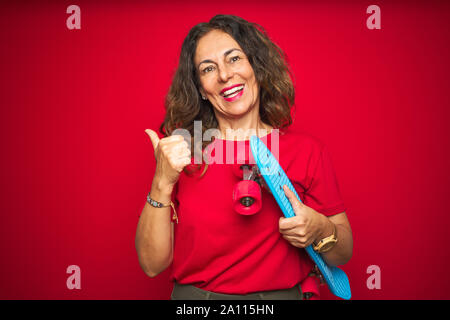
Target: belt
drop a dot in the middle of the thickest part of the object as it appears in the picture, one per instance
(190, 292)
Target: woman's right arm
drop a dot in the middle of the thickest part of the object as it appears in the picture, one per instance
(154, 234)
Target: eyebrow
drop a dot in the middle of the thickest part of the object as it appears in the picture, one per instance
(225, 54)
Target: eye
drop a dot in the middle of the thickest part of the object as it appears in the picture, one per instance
(208, 69)
(234, 59)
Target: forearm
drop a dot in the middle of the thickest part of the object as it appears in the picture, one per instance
(342, 251)
(154, 234)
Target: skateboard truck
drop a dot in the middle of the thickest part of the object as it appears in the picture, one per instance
(247, 193)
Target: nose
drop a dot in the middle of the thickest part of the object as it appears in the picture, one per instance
(225, 73)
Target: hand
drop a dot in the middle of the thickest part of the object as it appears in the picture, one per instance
(172, 155)
(306, 227)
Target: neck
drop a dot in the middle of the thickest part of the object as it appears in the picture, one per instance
(242, 129)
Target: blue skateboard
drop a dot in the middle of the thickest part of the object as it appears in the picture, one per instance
(275, 178)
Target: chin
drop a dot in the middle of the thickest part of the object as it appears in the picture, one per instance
(238, 111)
(244, 105)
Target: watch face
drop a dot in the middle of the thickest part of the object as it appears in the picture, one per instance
(328, 245)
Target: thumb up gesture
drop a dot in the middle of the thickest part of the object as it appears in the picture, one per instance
(172, 155)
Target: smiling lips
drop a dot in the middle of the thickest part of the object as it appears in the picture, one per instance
(232, 93)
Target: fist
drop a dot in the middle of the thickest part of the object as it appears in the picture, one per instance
(172, 155)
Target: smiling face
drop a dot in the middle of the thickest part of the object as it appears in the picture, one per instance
(226, 77)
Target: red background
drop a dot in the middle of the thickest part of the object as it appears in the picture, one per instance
(76, 164)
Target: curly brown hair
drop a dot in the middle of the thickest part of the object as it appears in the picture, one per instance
(183, 102)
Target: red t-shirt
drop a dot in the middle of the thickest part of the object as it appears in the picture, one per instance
(219, 250)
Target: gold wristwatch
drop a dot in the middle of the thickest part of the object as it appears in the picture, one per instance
(326, 244)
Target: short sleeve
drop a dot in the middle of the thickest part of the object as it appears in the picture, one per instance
(323, 194)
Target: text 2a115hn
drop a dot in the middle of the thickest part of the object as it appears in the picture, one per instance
(264, 309)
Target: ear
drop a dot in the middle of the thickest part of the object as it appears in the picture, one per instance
(202, 93)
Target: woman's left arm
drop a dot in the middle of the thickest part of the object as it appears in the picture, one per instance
(309, 226)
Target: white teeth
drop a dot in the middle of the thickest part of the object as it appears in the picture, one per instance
(233, 95)
(233, 90)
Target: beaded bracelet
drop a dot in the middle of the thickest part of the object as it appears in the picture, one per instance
(157, 204)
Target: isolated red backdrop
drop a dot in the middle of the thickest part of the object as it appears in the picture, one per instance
(76, 164)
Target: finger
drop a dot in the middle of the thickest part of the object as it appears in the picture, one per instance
(301, 241)
(175, 145)
(295, 232)
(177, 154)
(309, 242)
(153, 137)
(285, 224)
(186, 161)
(174, 138)
(178, 159)
(180, 147)
(181, 153)
(181, 163)
(289, 194)
(292, 197)
(294, 241)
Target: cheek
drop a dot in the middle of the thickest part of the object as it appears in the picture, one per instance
(254, 86)
(250, 76)
(207, 85)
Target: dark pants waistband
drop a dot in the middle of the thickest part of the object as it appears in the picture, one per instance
(190, 292)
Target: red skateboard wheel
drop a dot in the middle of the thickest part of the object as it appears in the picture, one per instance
(247, 197)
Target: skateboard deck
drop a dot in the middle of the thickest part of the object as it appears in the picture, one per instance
(275, 178)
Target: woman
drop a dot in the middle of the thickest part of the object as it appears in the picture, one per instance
(231, 76)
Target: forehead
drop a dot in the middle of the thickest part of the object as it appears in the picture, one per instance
(213, 44)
